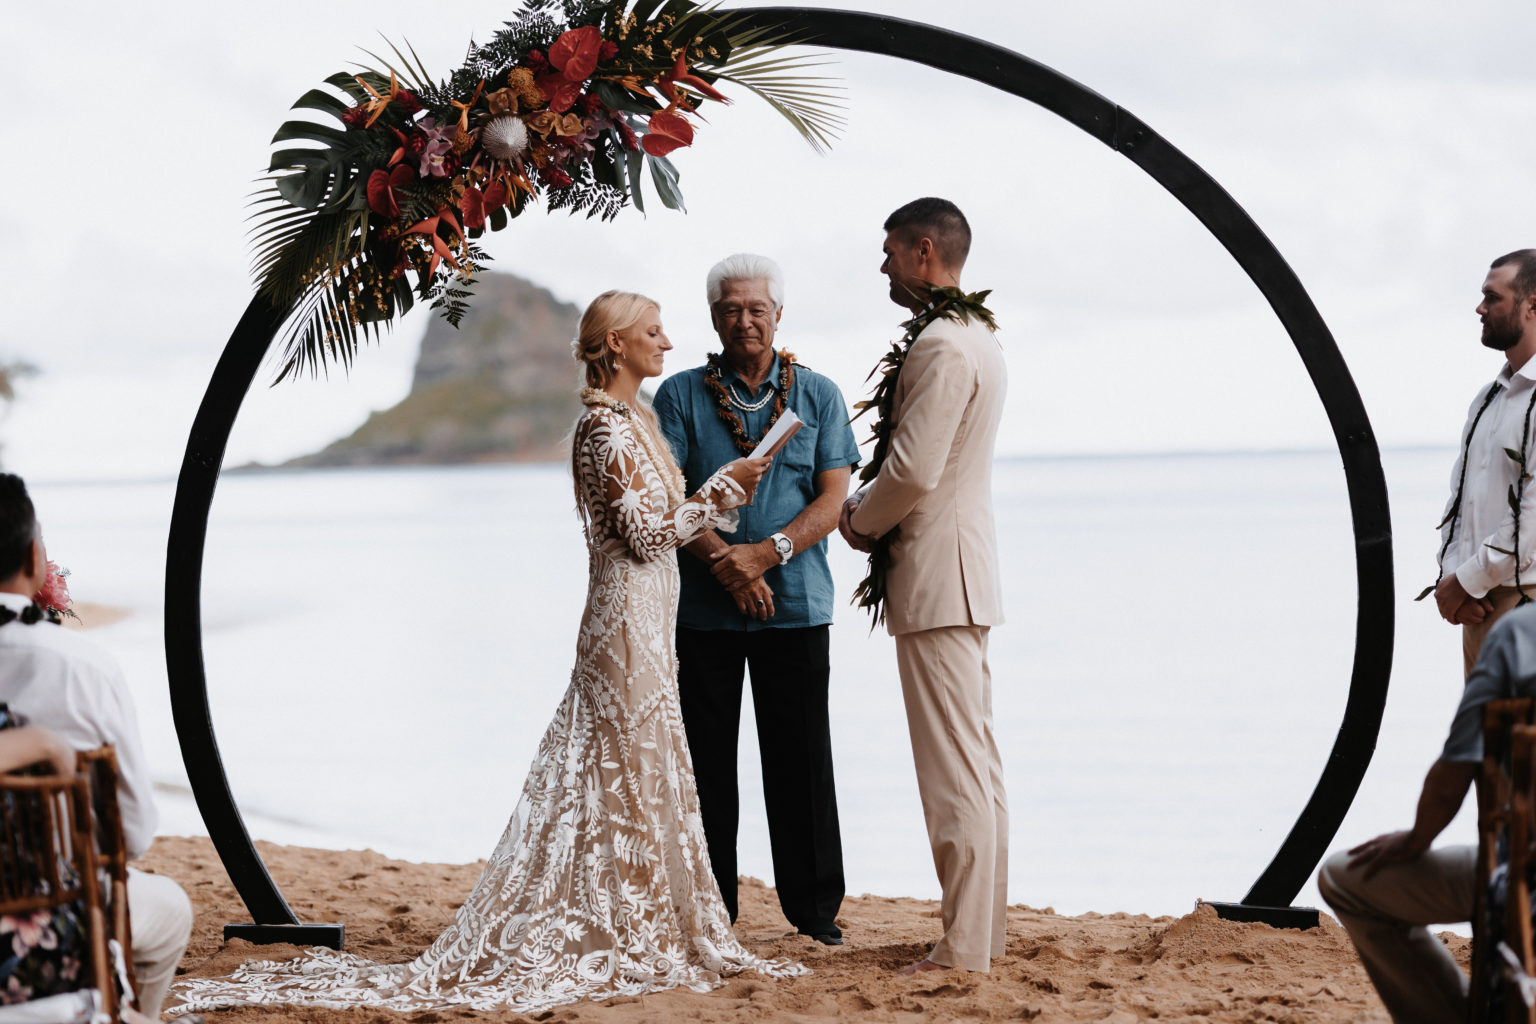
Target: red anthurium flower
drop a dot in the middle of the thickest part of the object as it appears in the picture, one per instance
(668, 131)
(562, 92)
(472, 206)
(381, 189)
(477, 205)
(575, 53)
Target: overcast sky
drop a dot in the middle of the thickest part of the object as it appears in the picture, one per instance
(1383, 146)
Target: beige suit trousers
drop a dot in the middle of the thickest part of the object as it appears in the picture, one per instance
(1472, 636)
(161, 919)
(948, 692)
(1386, 915)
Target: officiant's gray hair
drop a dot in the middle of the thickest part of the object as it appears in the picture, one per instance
(745, 266)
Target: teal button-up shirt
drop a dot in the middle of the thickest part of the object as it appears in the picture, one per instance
(690, 420)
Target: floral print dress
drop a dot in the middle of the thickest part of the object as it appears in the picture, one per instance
(601, 884)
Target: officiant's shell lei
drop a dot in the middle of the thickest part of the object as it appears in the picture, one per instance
(601, 884)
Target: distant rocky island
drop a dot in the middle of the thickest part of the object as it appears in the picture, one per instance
(499, 388)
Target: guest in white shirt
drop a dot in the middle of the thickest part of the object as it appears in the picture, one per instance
(1490, 505)
(61, 681)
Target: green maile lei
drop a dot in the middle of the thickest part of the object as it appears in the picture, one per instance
(1516, 491)
(944, 302)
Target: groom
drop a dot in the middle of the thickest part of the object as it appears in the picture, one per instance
(942, 595)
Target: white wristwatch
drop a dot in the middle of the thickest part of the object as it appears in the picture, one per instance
(784, 547)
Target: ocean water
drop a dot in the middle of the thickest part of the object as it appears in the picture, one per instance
(384, 648)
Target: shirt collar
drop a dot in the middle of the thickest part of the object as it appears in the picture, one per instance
(1526, 373)
(728, 372)
(14, 601)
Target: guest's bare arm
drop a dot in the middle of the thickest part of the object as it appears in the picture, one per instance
(1445, 787)
(32, 744)
(739, 564)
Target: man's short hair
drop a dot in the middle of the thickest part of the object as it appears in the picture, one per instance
(745, 266)
(940, 221)
(18, 524)
(1525, 270)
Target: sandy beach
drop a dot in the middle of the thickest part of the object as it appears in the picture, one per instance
(1118, 968)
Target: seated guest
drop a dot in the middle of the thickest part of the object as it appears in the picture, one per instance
(64, 683)
(1387, 890)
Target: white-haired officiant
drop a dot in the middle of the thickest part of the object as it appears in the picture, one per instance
(759, 601)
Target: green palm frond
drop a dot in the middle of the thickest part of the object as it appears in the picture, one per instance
(812, 103)
(409, 71)
(808, 102)
(752, 58)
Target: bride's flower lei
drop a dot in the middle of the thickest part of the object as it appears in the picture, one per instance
(946, 302)
(666, 467)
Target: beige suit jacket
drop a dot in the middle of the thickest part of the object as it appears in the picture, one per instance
(936, 482)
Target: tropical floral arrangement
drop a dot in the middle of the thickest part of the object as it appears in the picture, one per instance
(54, 597)
(574, 102)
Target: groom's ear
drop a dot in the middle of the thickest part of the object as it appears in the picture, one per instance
(927, 252)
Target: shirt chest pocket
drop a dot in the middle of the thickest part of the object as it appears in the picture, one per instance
(800, 453)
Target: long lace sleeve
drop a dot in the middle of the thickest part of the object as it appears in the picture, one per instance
(615, 466)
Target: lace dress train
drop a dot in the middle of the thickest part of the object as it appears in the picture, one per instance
(601, 884)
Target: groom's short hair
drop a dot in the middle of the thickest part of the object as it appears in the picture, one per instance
(18, 524)
(940, 221)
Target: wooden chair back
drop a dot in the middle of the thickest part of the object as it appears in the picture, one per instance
(61, 843)
(99, 766)
(1506, 797)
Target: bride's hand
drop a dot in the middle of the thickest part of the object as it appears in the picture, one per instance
(748, 472)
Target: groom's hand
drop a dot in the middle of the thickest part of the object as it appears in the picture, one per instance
(740, 564)
(855, 540)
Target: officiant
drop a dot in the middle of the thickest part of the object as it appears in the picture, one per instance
(759, 601)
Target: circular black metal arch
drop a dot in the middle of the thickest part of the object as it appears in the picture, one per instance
(1270, 897)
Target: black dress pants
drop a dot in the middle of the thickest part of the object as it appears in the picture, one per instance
(789, 670)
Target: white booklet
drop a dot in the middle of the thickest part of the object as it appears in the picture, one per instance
(778, 435)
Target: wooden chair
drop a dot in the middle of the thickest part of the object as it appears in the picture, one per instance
(1503, 951)
(61, 843)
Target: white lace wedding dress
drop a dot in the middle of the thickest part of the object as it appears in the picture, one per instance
(601, 884)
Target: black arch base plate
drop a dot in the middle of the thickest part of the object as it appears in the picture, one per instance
(331, 936)
(1276, 917)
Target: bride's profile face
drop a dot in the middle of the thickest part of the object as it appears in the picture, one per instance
(643, 345)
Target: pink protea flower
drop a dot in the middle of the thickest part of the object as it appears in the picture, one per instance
(54, 596)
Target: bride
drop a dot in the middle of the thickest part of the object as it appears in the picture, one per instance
(601, 884)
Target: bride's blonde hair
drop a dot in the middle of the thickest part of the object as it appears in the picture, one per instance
(616, 310)
(610, 311)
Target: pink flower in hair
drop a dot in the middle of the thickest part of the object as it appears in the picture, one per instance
(54, 596)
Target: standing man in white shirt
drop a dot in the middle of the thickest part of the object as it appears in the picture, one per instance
(1491, 513)
(61, 681)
